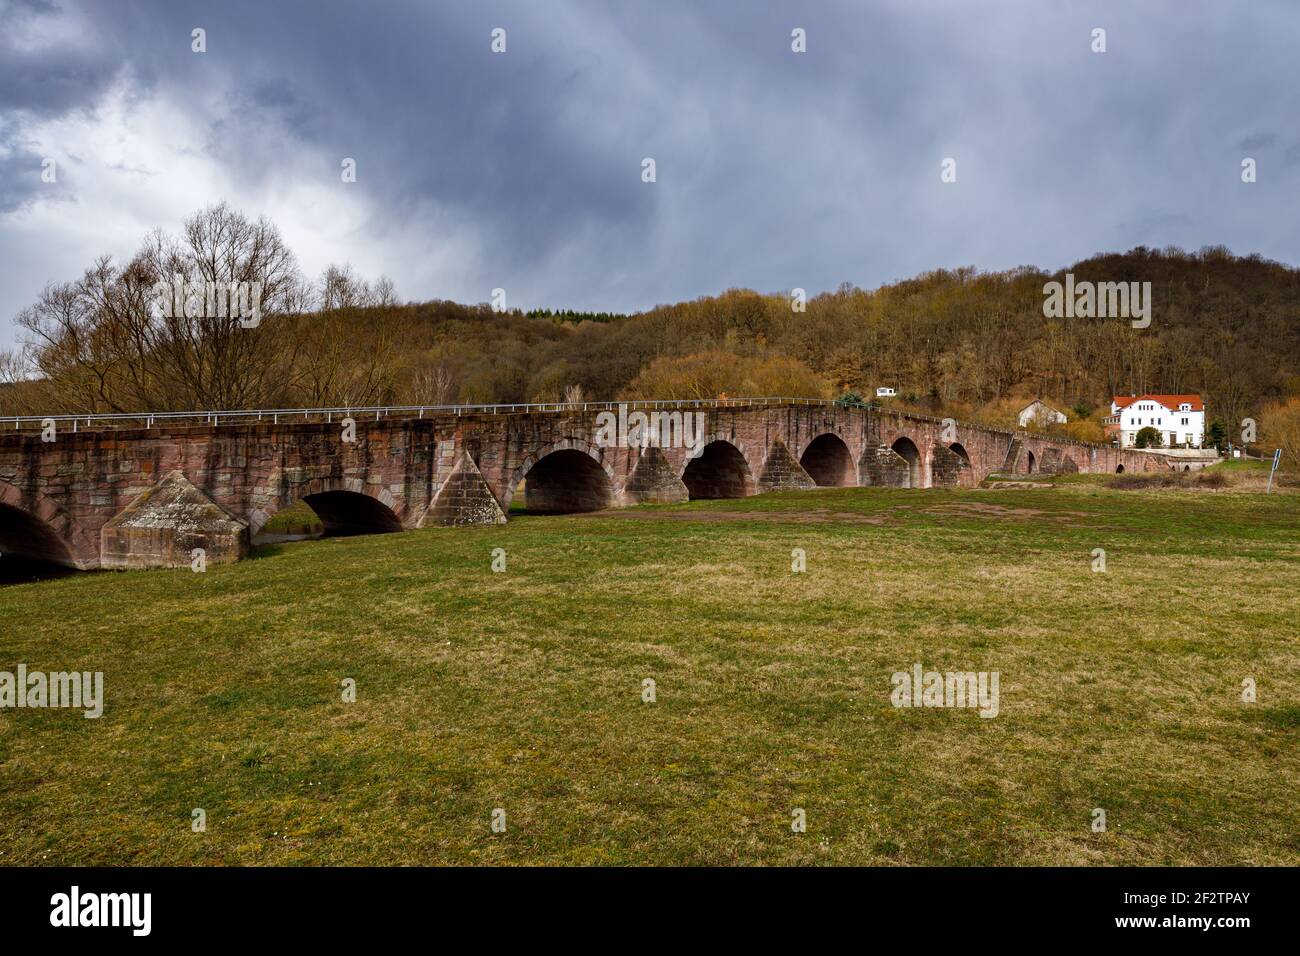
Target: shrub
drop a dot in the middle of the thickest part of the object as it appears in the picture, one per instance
(1168, 479)
(1147, 437)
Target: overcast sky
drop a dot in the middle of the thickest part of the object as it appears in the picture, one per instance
(523, 170)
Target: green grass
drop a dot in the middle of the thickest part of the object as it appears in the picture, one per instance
(1241, 464)
(298, 518)
(522, 690)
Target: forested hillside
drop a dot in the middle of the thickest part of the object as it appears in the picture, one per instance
(966, 343)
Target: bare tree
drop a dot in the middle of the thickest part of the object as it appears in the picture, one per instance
(332, 371)
(341, 288)
(169, 330)
(383, 292)
(432, 384)
(13, 366)
(222, 360)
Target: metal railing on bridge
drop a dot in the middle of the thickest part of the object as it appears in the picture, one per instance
(108, 420)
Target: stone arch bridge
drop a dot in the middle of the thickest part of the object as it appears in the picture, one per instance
(144, 491)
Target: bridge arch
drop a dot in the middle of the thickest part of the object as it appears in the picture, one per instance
(721, 470)
(563, 477)
(950, 466)
(36, 535)
(907, 449)
(828, 462)
(1031, 465)
(345, 506)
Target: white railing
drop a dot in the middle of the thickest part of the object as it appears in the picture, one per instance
(275, 416)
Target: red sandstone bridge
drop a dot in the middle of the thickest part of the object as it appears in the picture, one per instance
(144, 490)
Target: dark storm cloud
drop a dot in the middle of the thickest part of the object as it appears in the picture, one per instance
(20, 174)
(48, 81)
(774, 169)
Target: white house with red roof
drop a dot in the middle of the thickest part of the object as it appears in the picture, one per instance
(1180, 419)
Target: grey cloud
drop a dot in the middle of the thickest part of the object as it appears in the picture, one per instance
(1258, 141)
(774, 169)
(21, 183)
(52, 79)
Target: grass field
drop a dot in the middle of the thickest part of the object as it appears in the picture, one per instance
(522, 690)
